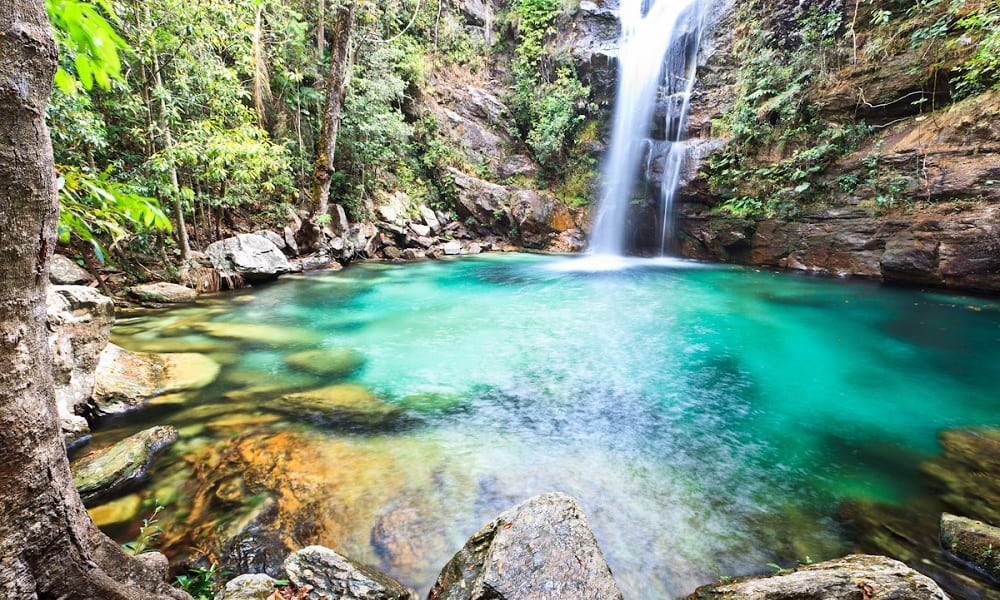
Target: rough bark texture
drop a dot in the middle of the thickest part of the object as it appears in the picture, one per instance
(336, 85)
(49, 548)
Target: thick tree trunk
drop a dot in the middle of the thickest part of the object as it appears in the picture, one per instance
(49, 548)
(336, 86)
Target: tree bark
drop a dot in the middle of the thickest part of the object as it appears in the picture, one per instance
(336, 87)
(49, 547)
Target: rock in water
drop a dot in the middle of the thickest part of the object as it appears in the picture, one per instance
(162, 292)
(248, 256)
(326, 362)
(106, 473)
(334, 576)
(973, 543)
(127, 379)
(853, 577)
(541, 548)
(342, 403)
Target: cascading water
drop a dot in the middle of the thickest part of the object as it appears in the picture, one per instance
(656, 63)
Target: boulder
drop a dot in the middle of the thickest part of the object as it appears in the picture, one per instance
(331, 575)
(482, 201)
(339, 225)
(452, 248)
(253, 586)
(338, 404)
(275, 238)
(249, 257)
(973, 543)
(853, 577)
(80, 320)
(163, 292)
(430, 219)
(106, 473)
(125, 380)
(63, 271)
(290, 244)
(259, 334)
(542, 548)
(326, 362)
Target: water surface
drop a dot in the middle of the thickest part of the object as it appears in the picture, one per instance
(708, 419)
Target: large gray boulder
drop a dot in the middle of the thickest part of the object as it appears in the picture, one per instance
(854, 577)
(541, 548)
(80, 320)
(481, 201)
(249, 257)
(331, 575)
(973, 543)
(106, 473)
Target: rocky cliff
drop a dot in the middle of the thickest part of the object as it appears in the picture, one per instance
(856, 138)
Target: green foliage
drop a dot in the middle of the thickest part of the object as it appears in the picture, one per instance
(201, 583)
(94, 208)
(147, 535)
(981, 71)
(550, 102)
(85, 36)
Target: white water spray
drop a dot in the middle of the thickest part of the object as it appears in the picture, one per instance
(656, 61)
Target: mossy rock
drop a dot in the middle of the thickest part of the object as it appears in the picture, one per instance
(108, 472)
(339, 404)
(432, 402)
(125, 380)
(122, 510)
(326, 362)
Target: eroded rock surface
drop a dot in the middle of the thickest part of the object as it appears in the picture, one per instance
(972, 542)
(853, 577)
(542, 548)
(125, 380)
(331, 575)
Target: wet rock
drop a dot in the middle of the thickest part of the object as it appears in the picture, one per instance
(163, 292)
(973, 543)
(79, 324)
(264, 335)
(332, 575)
(63, 271)
(326, 362)
(538, 215)
(850, 578)
(106, 473)
(542, 548)
(120, 510)
(342, 403)
(412, 254)
(248, 257)
(253, 586)
(124, 380)
(405, 536)
(968, 472)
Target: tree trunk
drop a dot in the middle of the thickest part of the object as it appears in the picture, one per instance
(336, 86)
(168, 143)
(321, 29)
(49, 548)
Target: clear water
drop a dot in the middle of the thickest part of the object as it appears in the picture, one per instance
(657, 47)
(707, 418)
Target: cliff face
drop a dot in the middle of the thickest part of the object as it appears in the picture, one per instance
(848, 138)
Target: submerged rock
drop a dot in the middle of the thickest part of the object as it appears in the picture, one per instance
(854, 577)
(337, 404)
(106, 473)
(972, 542)
(163, 292)
(258, 334)
(331, 575)
(127, 379)
(120, 510)
(249, 257)
(326, 362)
(542, 548)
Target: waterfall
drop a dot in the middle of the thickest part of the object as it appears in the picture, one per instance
(656, 64)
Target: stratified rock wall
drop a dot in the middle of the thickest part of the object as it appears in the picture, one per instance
(941, 225)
